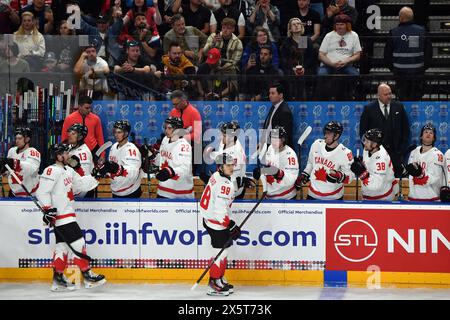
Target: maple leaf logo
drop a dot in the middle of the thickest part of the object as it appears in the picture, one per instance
(166, 165)
(365, 181)
(321, 174)
(420, 181)
(70, 195)
(270, 179)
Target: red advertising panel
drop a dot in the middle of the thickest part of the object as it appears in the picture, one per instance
(410, 240)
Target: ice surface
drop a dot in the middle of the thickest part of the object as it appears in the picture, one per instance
(122, 291)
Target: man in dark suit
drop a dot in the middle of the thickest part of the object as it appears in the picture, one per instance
(390, 116)
(279, 114)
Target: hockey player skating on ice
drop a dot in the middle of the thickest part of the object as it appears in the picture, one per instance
(175, 163)
(328, 166)
(25, 162)
(426, 168)
(445, 190)
(57, 185)
(375, 169)
(282, 165)
(123, 165)
(215, 208)
(231, 145)
(80, 152)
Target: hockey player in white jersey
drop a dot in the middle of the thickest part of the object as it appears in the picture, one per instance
(123, 165)
(375, 169)
(215, 208)
(328, 166)
(445, 190)
(57, 185)
(282, 164)
(80, 152)
(25, 162)
(230, 144)
(426, 168)
(175, 163)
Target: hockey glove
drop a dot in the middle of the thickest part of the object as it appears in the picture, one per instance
(302, 179)
(359, 169)
(49, 217)
(152, 168)
(165, 174)
(335, 176)
(279, 175)
(414, 169)
(257, 173)
(445, 194)
(74, 162)
(109, 167)
(204, 177)
(248, 183)
(234, 229)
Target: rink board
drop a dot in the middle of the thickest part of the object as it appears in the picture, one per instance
(284, 242)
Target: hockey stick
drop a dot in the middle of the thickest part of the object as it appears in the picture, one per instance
(357, 179)
(300, 141)
(229, 240)
(79, 254)
(400, 191)
(100, 150)
(147, 163)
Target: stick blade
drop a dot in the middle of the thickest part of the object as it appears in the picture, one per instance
(105, 146)
(194, 286)
(304, 135)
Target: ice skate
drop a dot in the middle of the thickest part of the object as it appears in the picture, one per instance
(216, 288)
(226, 284)
(61, 283)
(92, 280)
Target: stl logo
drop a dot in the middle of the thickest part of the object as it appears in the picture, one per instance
(355, 240)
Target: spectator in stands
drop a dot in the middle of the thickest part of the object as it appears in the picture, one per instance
(149, 42)
(408, 53)
(43, 15)
(260, 39)
(135, 67)
(268, 16)
(152, 14)
(227, 10)
(84, 115)
(105, 36)
(263, 73)
(30, 41)
(65, 47)
(192, 122)
(389, 116)
(50, 62)
(298, 61)
(317, 6)
(310, 19)
(338, 7)
(189, 38)
(9, 19)
(229, 44)
(92, 71)
(167, 8)
(177, 65)
(216, 87)
(196, 15)
(246, 8)
(12, 63)
(339, 50)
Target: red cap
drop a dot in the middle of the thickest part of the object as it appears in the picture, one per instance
(213, 56)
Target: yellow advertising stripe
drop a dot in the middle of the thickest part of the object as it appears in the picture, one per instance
(362, 277)
(240, 276)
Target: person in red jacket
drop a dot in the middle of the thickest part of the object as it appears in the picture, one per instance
(83, 115)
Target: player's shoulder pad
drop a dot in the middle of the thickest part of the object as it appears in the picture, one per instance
(52, 172)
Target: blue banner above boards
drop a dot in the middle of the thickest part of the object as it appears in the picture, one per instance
(147, 118)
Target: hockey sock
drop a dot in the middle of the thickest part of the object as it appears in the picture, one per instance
(79, 246)
(60, 257)
(218, 268)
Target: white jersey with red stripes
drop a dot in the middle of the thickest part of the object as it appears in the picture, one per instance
(26, 169)
(447, 167)
(237, 152)
(177, 155)
(286, 161)
(86, 161)
(129, 157)
(381, 183)
(216, 200)
(320, 162)
(57, 186)
(427, 187)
